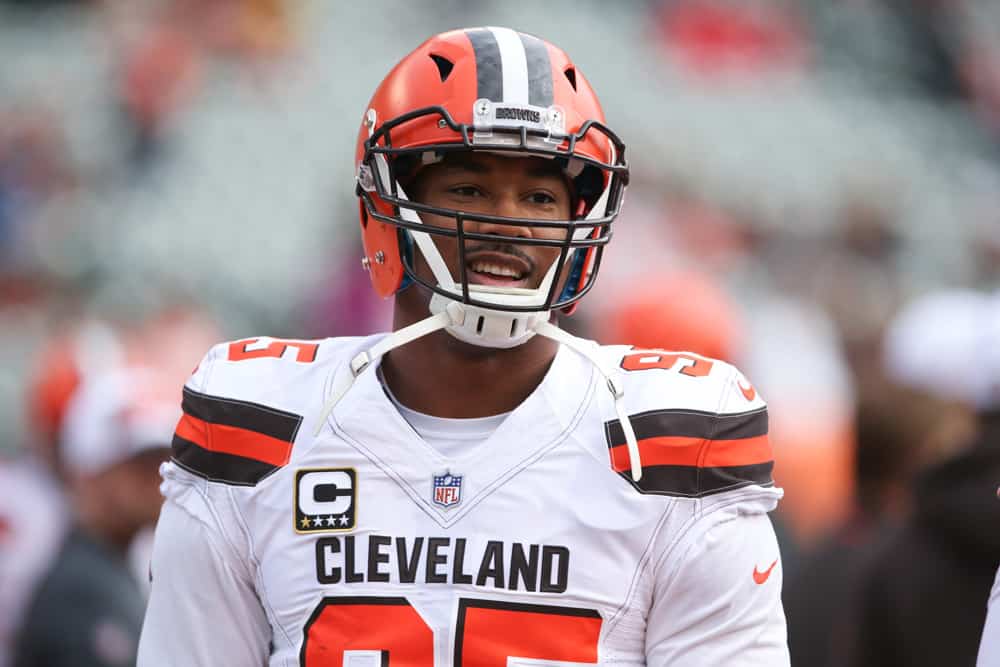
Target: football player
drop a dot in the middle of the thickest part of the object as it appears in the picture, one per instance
(476, 487)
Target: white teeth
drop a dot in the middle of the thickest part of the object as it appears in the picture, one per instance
(494, 269)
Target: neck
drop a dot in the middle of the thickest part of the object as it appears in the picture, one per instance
(444, 377)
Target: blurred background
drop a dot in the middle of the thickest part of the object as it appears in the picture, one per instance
(815, 197)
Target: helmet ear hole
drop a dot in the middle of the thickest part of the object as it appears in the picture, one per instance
(444, 66)
(570, 73)
(589, 185)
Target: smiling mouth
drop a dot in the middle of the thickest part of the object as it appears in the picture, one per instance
(498, 269)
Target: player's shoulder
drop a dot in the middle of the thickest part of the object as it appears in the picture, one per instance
(677, 379)
(249, 368)
(248, 402)
(702, 427)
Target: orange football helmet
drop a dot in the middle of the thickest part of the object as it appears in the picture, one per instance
(496, 90)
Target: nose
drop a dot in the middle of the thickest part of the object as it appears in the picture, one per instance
(505, 206)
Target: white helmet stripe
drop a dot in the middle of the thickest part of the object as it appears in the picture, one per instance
(509, 73)
(514, 67)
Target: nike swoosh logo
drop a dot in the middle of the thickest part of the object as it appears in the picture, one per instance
(760, 577)
(748, 392)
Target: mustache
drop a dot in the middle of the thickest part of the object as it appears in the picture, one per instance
(500, 249)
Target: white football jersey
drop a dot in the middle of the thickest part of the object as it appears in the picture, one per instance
(989, 645)
(363, 546)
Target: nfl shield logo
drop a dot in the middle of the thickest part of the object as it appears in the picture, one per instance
(447, 489)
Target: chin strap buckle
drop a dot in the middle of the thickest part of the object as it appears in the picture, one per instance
(616, 388)
(360, 363)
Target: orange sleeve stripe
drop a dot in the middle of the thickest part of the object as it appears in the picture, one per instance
(234, 440)
(685, 451)
(193, 429)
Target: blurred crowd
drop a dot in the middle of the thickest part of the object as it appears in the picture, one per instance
(815, 197)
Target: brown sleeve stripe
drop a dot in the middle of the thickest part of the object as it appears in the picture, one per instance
(693, 482)
(263, 419)
(691, 424)
(694, 454)
(231, 441)
(217, 466)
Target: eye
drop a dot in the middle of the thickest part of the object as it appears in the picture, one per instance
(466, 191)
(541, 197)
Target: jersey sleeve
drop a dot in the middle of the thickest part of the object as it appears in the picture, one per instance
(717, 596)
(231, 430)
(989, 646)
(203, 607)
(701, 430)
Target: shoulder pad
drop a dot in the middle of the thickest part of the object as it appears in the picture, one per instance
(233, 430)
(701, 426)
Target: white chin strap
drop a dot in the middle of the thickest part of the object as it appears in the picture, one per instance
(590, 351)
(455, 316)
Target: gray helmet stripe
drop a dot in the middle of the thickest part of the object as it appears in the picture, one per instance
(489, 66)
(539, 71)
